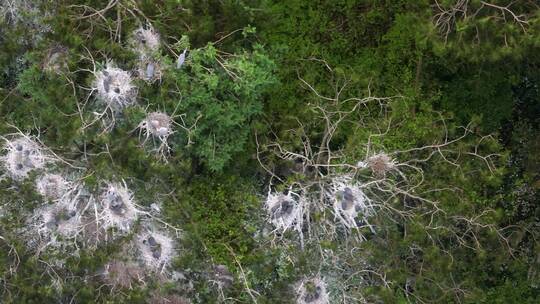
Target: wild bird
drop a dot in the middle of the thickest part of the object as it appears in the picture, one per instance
(347, 198)
(116, 203)
(181, 59)
(154, 246)
(284, 208)
(150, 68)
(107, 81)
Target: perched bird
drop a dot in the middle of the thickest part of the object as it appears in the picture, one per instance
(155, 247)
(347, 198)
(181, 59)
(152, 241)
(150, 70)
(116, 203)
(283, 208)
(162, 131)
(107, 82)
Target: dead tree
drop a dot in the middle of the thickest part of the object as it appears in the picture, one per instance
(352, 196)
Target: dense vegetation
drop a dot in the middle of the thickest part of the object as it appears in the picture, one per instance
(369, 151)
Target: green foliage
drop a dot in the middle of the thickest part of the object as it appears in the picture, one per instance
(222, 95)
(218, 214)
(247, 71)
(492, 31)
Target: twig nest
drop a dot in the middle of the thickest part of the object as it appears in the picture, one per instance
(149, 70)
(58, 220)
(284, 210)
(312, 291)
(222, 276)
(158, 124)
(156, 250)
(145, 41)
(56, 60)
(350, 202)
(118, 208)
(351, 205)
(92, 232)
(23, 156)
(115, 88)
(120, 274)
(380, 164)
(51, 186)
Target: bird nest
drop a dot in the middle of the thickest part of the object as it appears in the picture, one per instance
(285, 211)
(145, 41)
(351, 205)
(312, 291)
(115, 88)
(62, 221)
(157, 124)
(121, 274)
(149, 70)
(56, 60)
(117, 208)
(156, 250)
(52, 186)
(58, 221)
(23, 156)
(380, 164)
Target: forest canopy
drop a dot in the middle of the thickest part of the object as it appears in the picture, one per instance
(264, 151)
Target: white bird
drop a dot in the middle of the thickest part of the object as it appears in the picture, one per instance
(181, 59)
(162, 131)
(150, 70)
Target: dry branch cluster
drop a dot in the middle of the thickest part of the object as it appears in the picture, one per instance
(116, 89)
(448, 16)
(328, 196)
(122, 275)
(72, 216)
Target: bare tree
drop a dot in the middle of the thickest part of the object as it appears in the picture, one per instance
(354, 195)
(447, 17)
